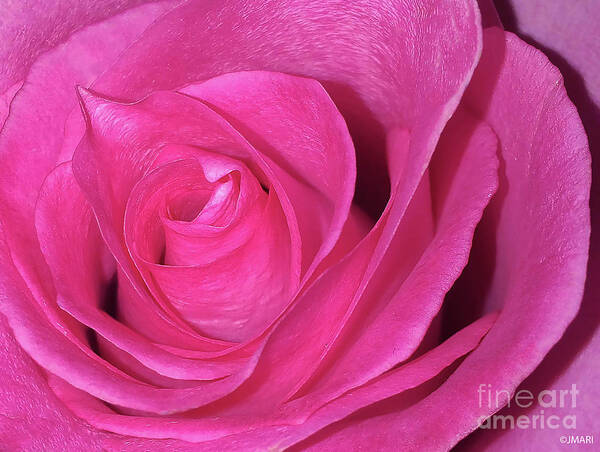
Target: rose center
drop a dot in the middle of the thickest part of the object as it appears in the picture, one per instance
(187, 206)
(201, 205)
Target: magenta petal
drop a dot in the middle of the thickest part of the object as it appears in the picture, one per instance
(489, 15)
(396, 381)
(388, 327)
(295, 125)
(75, 253)
(128, 153)
(404, 378)
(6, 99)
(317, 39)
(310, 329)
(544, 211)
(392, 103)
(354, 49)
(553, 374)
(51, 349)
(122, 153)
(566, 32)
(231, 281)
(194, 430)
(59, 356)
(32, 416)
(32, 136)
(36, 27)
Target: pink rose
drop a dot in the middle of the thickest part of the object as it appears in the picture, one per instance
(318, 225)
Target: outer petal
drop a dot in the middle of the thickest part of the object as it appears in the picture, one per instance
(32, 137)
(542, 210)
(32, 417)
(565, 31)
(354, 49)
(33, 27)
(400, 380)
(389, 327)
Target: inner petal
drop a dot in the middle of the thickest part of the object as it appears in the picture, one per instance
(187, 205)
(204, 203)
(212, 243)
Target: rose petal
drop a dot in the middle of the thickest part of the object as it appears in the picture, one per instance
(6, 99)
(31, 138)
(35, 27)
(542, 232)
(310, 330)
(566, 32)
(122, 154)
(354, 49)
(75, 253)
(236, 293)
(390, 325)
(396, 381)
(489, 15)
(284, 117)
(32, 416)
(58, 355)
(561, 30)
(101, 417)
(131, 146)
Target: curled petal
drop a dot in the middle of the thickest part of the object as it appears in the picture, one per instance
(229, 281)
(263, 435)
(296, 126)
(389, 325)
(32, 137)
(540, 218)
(81, 266)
